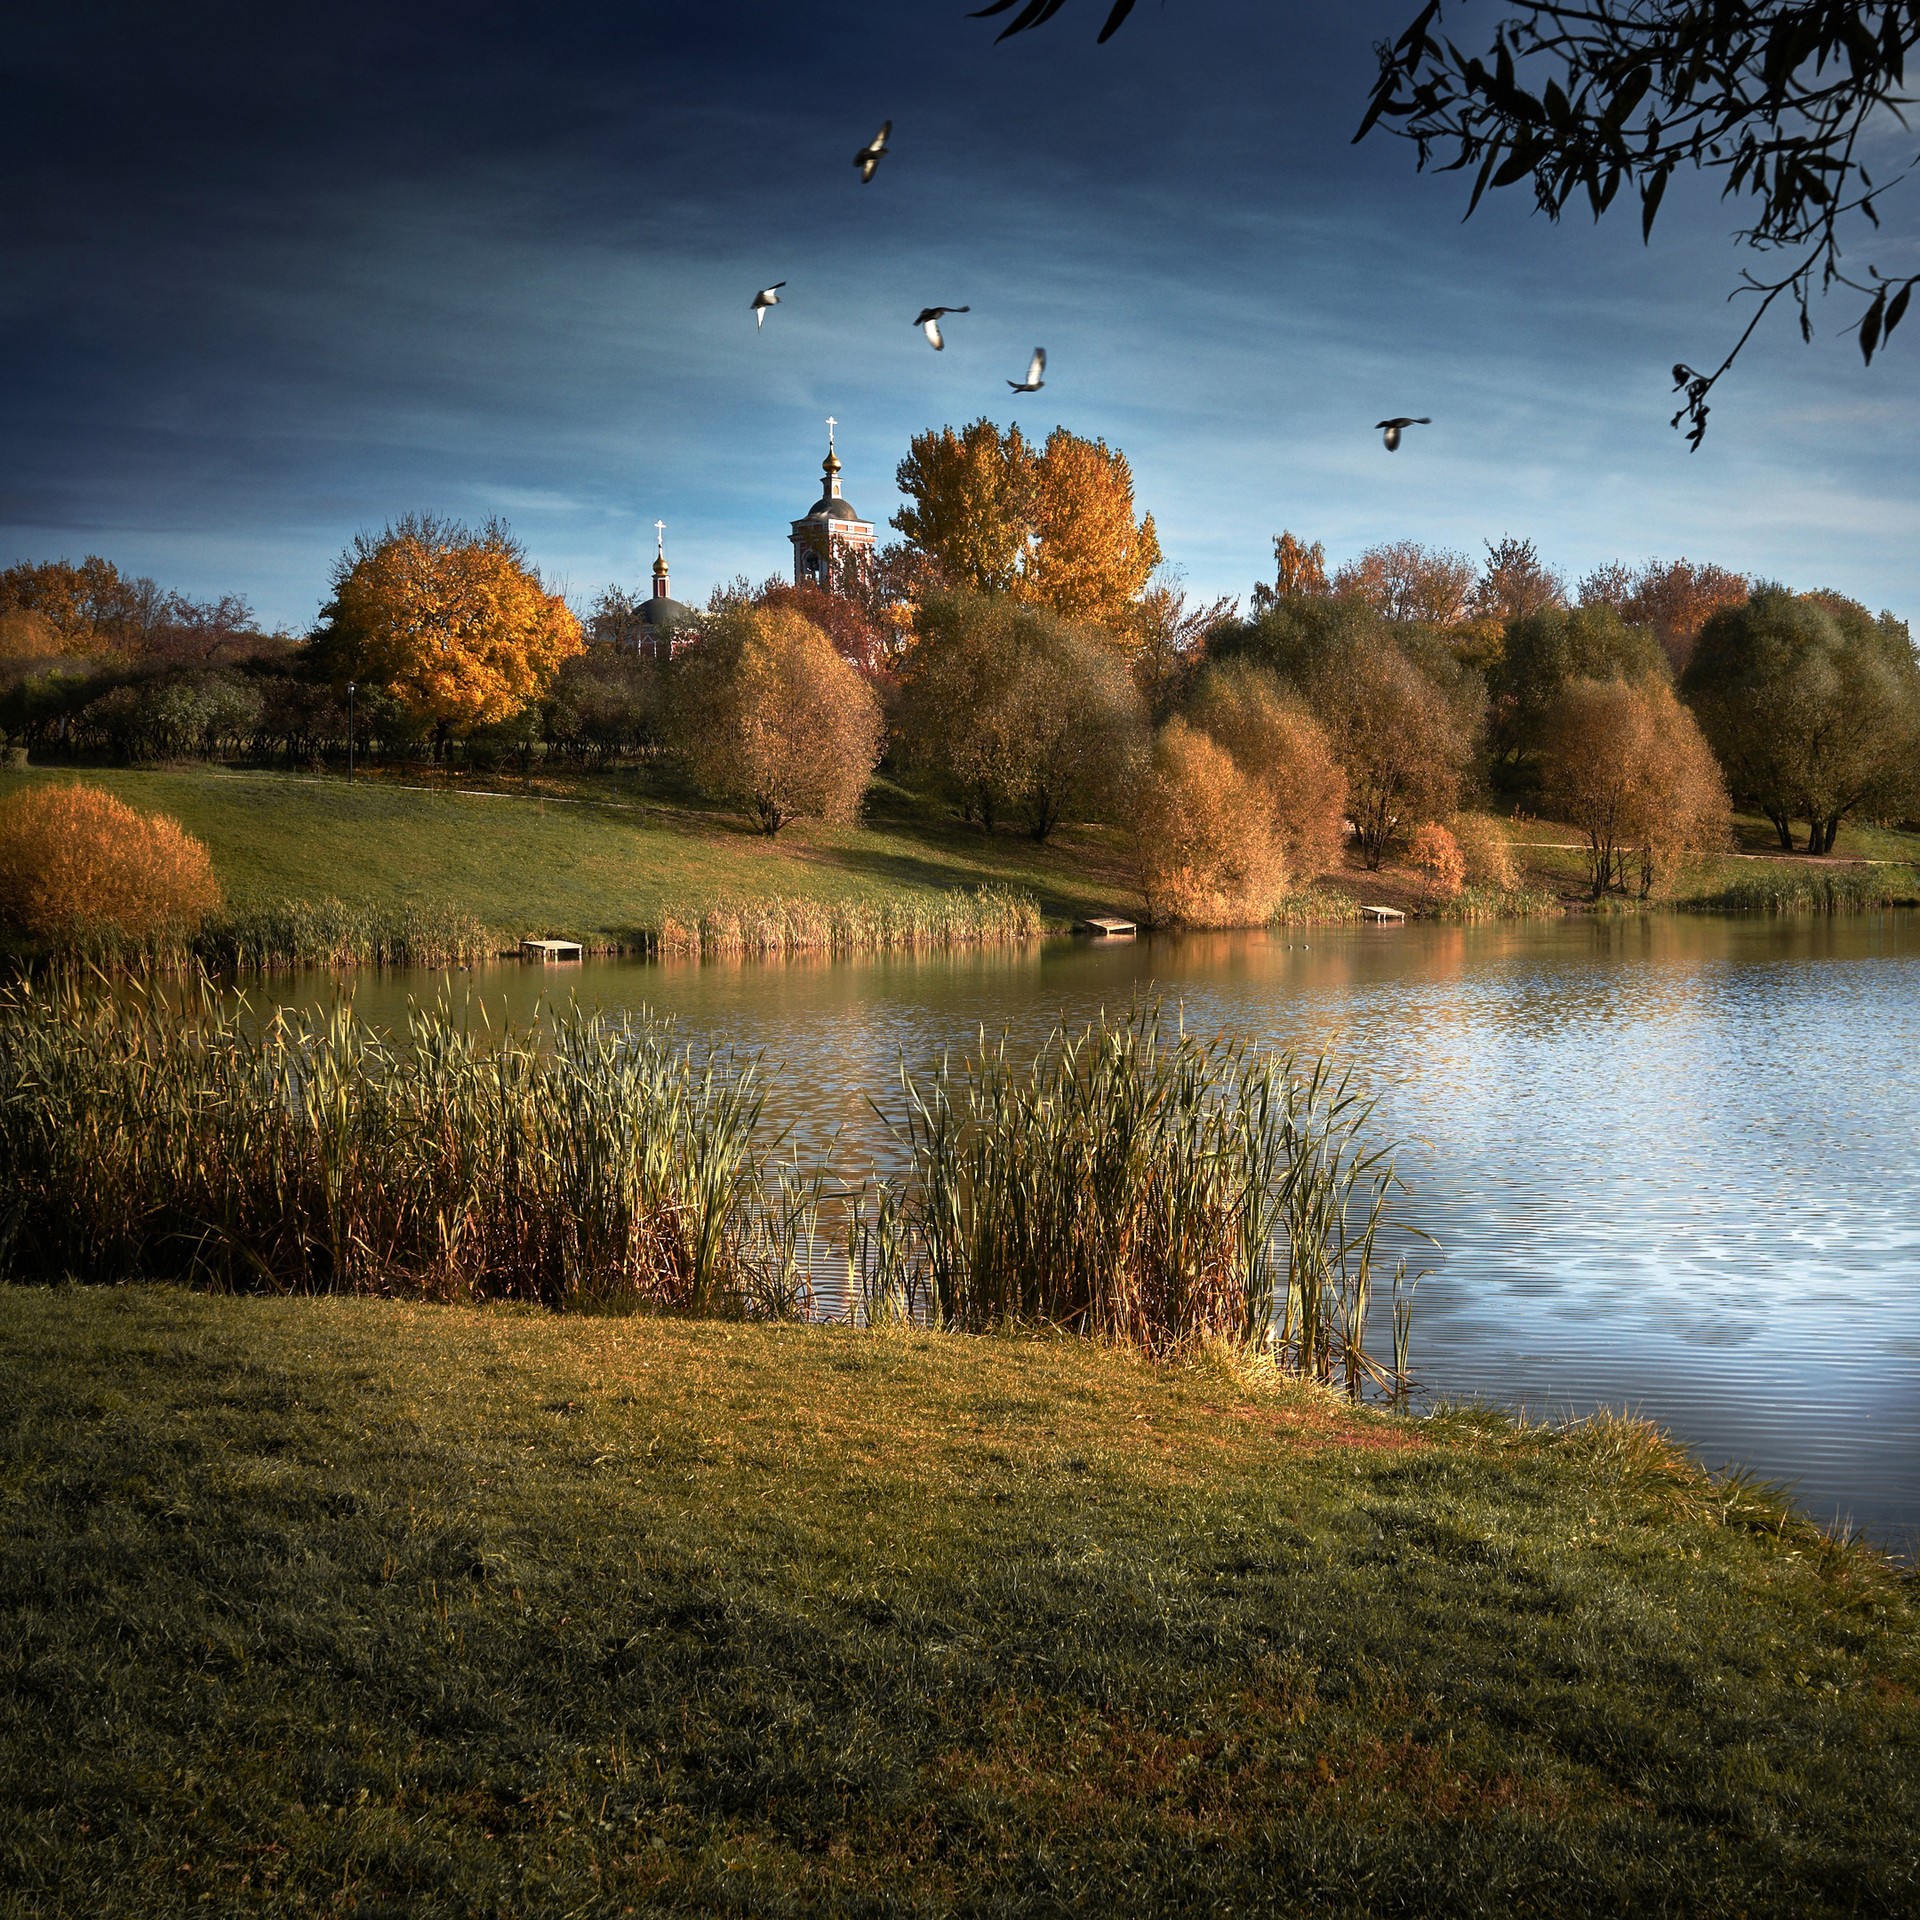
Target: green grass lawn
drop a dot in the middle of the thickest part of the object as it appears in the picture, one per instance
(1550, 857)
(342, 1606)
(590, 859)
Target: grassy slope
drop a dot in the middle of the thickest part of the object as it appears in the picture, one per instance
(598, 857)
(352, 1606)
(592, 858)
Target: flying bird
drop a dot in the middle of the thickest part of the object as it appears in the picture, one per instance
(765, 298)
(928, 321)
(869, 156)
(1391, 428)
(1036, 371)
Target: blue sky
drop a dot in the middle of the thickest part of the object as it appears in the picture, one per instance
(272, 281)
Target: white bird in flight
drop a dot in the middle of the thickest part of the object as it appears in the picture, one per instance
(928, 321)
(765, 298)
(1390, 429)
(869, 156)
(1036, 373)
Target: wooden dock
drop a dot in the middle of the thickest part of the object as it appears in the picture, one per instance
(1387, 916)
(549, 951)
(1108, 926)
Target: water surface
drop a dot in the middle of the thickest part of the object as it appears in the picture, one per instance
(1671, 1161)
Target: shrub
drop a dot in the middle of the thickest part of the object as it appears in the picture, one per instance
(1435, 855)
(1487, 852)
(769, 715)
(76, 863)
(1279, 745)
(1204, 851)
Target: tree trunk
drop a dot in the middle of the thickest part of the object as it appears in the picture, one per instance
(1783, 826)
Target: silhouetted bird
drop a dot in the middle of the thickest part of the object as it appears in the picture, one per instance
(1391, 428)
(765, 298)
(1036, 369)
(928, 321)
(869, 156)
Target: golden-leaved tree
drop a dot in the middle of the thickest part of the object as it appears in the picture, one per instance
(1054, 527)
(452, 622)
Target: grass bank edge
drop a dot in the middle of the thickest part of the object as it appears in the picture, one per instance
(892, 1617)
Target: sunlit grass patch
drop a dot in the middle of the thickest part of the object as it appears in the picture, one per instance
(448, 1610)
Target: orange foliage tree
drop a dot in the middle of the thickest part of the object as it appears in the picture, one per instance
(1628, 766)
(1204, 853)
(1435, 855)
(769, 714)
(1283, 750)
(1053, 527)
(1404, 581)
(453, 623)
(75, 861)
(1673, 598)
(1297, 569)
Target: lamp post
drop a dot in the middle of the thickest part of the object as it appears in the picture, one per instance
(349, 730)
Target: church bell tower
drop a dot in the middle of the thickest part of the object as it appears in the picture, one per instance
(831, 532)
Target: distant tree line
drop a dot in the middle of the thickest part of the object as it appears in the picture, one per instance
(1021, 654)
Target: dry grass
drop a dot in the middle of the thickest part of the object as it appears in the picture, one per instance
(979, 916)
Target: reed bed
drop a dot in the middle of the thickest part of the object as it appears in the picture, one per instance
(1137, 1184)
(295, 933)
(982, 916)
(1474, 905)
(583, 1161)
(1131, 1183)
(1315, 905)
(1801, 889)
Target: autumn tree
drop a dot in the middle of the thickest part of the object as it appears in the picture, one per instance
(1516, 582)
(1018, 712)
(1297, 569)
(1169, 639)
(1401, 742)
(452, 622)
(1629, 769)
(769, 716)
(1435, 855)
(1278, 745)
(1813, 707)
(1545, 650)
(1403, 581)
(1673, 599)
(1054, 527)
(1203, 850)
(967, 506)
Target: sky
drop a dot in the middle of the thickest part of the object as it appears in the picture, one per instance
(271, 277)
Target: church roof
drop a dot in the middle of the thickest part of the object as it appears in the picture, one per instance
(662, 612)
(831, 507)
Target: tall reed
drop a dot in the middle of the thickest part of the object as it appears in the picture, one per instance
(1801, 889)
(1141, 1185)
(1130, 1183)
(956, 917)
(586, 1159)
(294, 933)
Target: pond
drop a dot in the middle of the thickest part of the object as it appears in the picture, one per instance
(1671, 1160)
